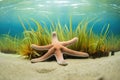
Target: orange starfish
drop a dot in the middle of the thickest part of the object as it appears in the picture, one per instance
(56, 49)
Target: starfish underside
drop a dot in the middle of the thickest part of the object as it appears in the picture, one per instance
(56, 49)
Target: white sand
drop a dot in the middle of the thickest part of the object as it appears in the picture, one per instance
(14, 67)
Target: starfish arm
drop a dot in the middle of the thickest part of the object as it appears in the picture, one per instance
(59, 58)
(54, 37)
(36, 47)
(68, 43)
(74, 53)
(45, 56)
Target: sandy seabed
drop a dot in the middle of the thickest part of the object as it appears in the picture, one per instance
(15, 67)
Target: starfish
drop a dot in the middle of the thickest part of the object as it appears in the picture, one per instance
(56, 49)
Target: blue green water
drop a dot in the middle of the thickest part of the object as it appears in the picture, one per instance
(108, 11)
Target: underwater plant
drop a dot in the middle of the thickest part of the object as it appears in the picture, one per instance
(9, 44)
(88, 41)
(96, 45)
(114, 43)
(39, 37)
